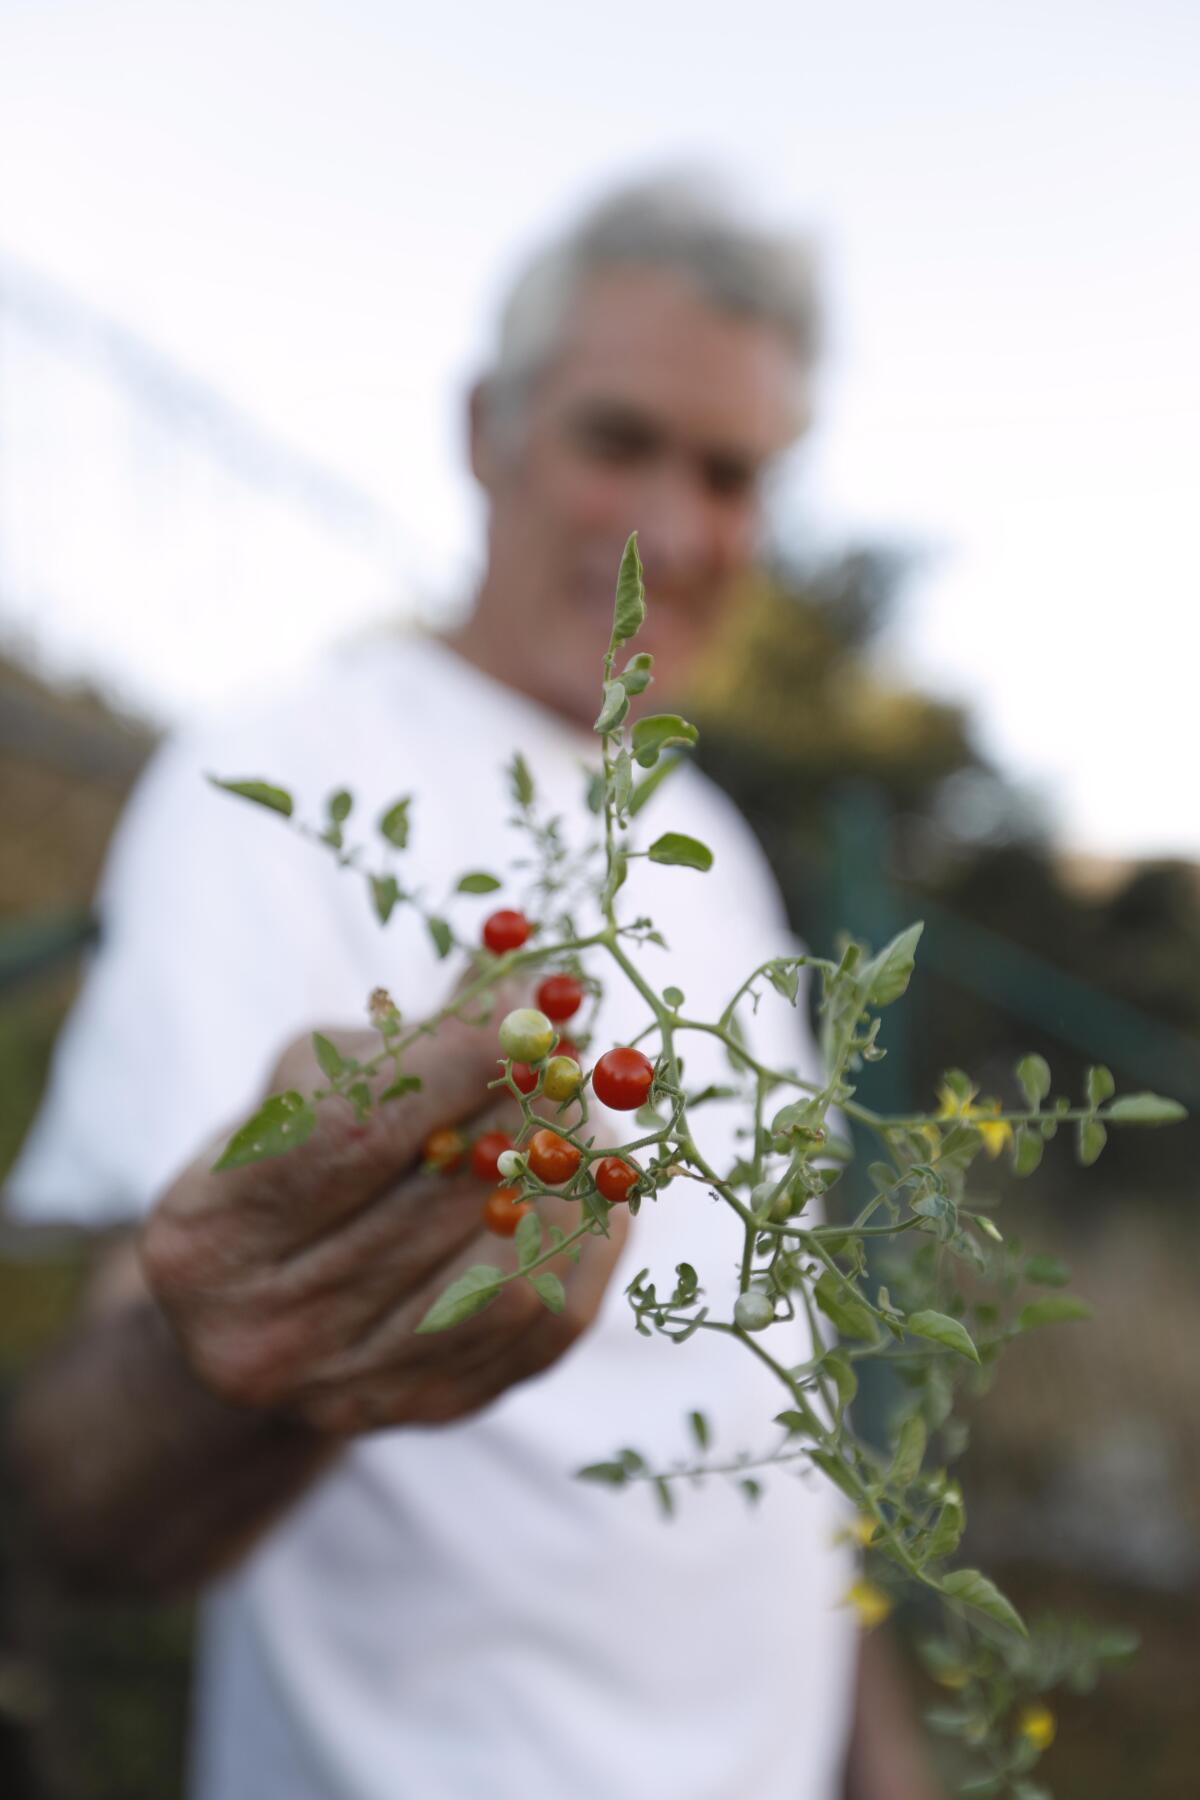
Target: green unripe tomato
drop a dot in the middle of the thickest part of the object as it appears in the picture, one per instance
(526, 1034)
(510, 1164)
(753, 1311)
(562, 1078)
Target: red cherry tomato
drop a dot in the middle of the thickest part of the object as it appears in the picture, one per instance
(565, 1047)
(444, 1149)
(551, 1158)
(621, 1079)
(484, 1152)
(505, 930)
(525, 1077)
(559, 996)
(503, 1212)
(614, 1177)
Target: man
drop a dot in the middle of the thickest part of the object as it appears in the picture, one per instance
(407, 1594)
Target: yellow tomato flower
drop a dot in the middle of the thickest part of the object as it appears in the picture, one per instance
(870, 1603)
(1036, 1725)
(996, 1133)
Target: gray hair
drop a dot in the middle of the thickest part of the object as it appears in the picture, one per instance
(677, 224)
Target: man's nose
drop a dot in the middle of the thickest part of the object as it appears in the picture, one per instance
(677, 539)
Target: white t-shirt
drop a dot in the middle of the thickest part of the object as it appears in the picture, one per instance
(449, 1614)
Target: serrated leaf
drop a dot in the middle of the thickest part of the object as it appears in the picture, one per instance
(393, 824)
(629, 608)
(403, 1084)
(385, 892)
(528, 1239)
(440, 932)
(262, 793)
(330, 1058)
(652, 736)
(1028, 1147)
(675, 848)
(910, 1451)
(520, 780)
(839, 1304)
(281, 1123)
(700, 1431)
(477, 882)
(1033, 1074)
(1053, 1309)
(1099, 1085)
(974, 1589)
(1145, 1109)
(887, 975)
(940, 1328)
(613, 708)
(550, 1290)
(1090, 1140)
(472, 1291)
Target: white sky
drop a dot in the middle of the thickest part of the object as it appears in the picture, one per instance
(315, 204)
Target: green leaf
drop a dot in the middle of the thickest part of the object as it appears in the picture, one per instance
(648, 786)
(520, 780)
(784, 977)
(612, 1474)
(838, 1473)
(700, 1431)
(940, 1328)
(443, 937)
(887, 975)
(974, 1589)
(751, 1488)
(948, 1527)
(636, 676)
(673, 996)
(403, 1084)
(793, 1422)
(652, 736)
(332, 1062)
(910, 1451)
(1027, 1150)
(666, 1499)
(629, 610)
(840, 1304)
(1047, 1271)
(339, 805)
(622, 779)
(1054, 1309)
(1090, 1140)
(550, 1290)
(683, 852)
(394, 823)
(281, 1123)
(528, 1239)
(613, 709)
(469, 1294)
(275, 799)
(844, 1378)
(1145, 1109)
(1099, 1085)
(477, 882)
(1033, 1073)
(385, 892)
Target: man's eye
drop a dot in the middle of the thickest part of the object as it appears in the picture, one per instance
(728, 479)
(616, 443)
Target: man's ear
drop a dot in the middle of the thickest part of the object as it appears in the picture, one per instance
(482, 437)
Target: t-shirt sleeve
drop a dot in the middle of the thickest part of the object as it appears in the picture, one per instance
(186, 1002)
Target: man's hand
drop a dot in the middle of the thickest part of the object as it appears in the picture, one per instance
(294, 1285)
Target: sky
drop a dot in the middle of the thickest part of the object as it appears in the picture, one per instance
(315, 206)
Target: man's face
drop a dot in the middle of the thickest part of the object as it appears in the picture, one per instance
(660, 415)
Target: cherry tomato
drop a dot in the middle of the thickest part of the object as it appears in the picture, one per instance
(505, 930)
(484, 1152)
(565, 1047)
(526, 1034)
(563, 1076)
(559, 996)
(503, 1211)
(621, 1079)
(525, 1077)
(444, 1149)
(614, 1177)
(551, 1158)
(753, 1311)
